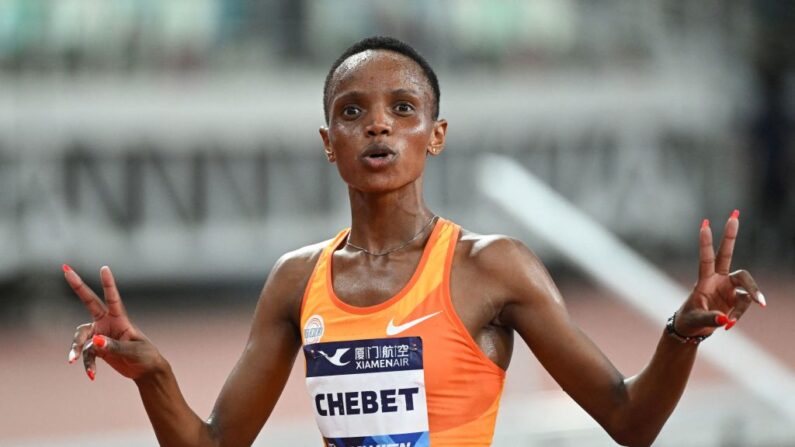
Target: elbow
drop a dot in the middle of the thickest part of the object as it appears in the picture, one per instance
(628, 425)
(214, 436)
(633, 436)
(632, 441)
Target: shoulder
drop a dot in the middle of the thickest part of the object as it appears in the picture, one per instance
(495, 253)
(298, 263)
(508, 265)
(287, 281)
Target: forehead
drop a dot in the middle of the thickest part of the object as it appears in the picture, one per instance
(379, 70)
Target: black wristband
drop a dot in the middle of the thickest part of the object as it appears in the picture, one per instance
(671, 330)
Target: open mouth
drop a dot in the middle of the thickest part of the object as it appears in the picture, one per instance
(377, 155)
(378, 151)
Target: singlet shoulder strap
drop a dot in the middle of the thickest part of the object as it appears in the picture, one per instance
(317, 281)
(434, 268)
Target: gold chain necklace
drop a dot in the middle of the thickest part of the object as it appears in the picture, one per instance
(392, 250)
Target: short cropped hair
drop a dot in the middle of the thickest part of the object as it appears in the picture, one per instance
(389, 44)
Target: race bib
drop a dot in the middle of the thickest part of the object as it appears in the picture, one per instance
(369, 393)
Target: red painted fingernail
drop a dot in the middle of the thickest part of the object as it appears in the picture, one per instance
(99, 341)
(721, 319)
(731, 324)
(66, 268)
(704, 223)
(735, 214)
(90, 374)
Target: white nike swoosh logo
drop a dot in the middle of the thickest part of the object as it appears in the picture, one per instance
(391, 329)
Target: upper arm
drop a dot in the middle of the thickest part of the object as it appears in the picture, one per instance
(257, 380)
(532, 305)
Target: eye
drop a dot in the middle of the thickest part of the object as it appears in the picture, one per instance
(404, 108)
(351, 111)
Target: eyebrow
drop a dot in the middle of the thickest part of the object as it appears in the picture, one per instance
(357, 93)
(403, 91)
(350, 94)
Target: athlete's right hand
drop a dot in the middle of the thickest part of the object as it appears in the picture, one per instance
(111, 336)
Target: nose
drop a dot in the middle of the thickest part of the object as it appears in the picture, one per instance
(380, 125)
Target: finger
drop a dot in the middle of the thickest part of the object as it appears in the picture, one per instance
(90, 299)
(743, 302)
(706, 253)
(112, 297)
(743, 279)
(83, 333)
(89, 360)
(726, 249)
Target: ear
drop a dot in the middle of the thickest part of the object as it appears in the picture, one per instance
(327, 144)
(436, 145)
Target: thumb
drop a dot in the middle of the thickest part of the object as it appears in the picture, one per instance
(690, 322)
(104, 345)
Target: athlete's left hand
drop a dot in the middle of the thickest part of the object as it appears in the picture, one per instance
(719, 298)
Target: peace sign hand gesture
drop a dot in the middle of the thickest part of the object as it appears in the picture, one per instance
(719, 298)
(111, 336)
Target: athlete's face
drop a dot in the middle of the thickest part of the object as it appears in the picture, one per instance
(381, 122)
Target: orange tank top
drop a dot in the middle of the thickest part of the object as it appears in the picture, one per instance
(405, 372)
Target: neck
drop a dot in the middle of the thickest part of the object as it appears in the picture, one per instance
(380, 221)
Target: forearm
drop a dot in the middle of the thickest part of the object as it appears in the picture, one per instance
(653, 394)
(174, 422)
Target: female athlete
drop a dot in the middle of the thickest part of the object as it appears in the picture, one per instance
(405, 320)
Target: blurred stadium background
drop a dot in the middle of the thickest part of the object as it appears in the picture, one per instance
(176, 141)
